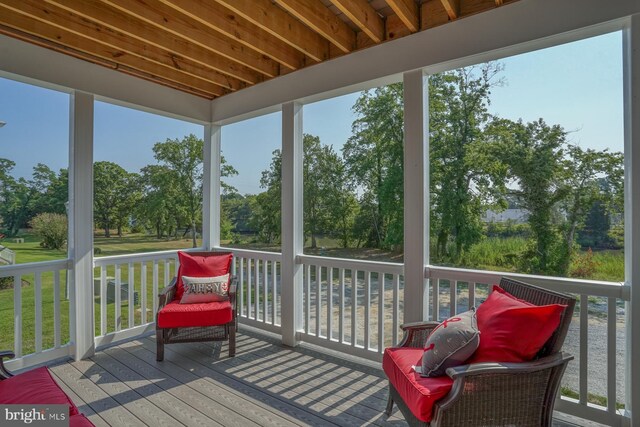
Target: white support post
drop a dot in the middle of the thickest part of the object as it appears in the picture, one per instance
(416, 195)
(631, 58)
(292, 229)
(81, 223)
(211, 187)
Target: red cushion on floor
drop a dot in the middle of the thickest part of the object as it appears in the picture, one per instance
(512, 330)
(176, 315)
(79, 420)
(35, 387)
(201, 264)
(418, 393)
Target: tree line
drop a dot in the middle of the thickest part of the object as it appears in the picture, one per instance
(478, 161)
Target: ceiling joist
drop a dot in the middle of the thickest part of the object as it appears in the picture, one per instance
(364, 16)
(232, 25)
(407, 11)
(452, 7)
(320, 19)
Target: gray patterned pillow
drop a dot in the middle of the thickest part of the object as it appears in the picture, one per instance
(205, 289)
(450, 344)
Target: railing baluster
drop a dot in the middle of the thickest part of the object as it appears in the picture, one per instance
(155, 287)
(318, 298)
(453, 297)
(381, 278)
(354, 307)
(436, 300)
(143, 292)
(56, 309)
(256, 290)
(611, 354)
(130, 302)
(116, 293)
(396, 308)
(584, 347)
(241, 285)
(37, 289)
(103, 300)
(17, 315)
(167, 268)
(329, 303)
(307, 293)
(341, 319)
(249, 288)
(265, 291)
(367, 306)
(472, 295)
(274, 290)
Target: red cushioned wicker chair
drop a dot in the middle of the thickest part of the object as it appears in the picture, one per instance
(482, 394)
(180, 323)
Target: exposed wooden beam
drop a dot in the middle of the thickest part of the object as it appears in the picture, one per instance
(407, 11)
(320, 19)
(229, 23)
(499, 2)
(278, 23)
(149, 34)
(64, 19)
(364, 16)
(452, 7)
(132, 64)
(168, 19)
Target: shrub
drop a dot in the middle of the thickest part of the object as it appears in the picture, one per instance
(52, 228)
(584, 265)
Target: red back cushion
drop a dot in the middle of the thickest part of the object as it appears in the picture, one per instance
(201, 264)
(513, 330)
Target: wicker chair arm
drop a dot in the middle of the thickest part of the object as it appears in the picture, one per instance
(416, 333)
(4, 373)
(233, 290)
(469, 376)
(166, 295)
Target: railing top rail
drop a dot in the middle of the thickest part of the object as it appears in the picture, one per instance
(250, 253)
(138, 257)
(34, 267)
(355, 264)
(562, 284)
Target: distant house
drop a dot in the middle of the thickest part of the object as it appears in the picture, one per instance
(517, 215)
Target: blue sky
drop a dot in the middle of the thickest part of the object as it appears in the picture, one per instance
(578, 86)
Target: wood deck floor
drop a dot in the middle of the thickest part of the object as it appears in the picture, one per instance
(266, 384)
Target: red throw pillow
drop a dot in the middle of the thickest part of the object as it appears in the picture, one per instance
(512, 330)
(201, 264)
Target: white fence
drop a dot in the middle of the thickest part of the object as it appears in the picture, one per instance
(352, 306)
(39, 305)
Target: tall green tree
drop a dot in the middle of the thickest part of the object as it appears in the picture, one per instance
(115, 196)
(374, 158)
(465, 179)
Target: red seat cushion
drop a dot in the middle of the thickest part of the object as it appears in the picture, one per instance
(512, 330)
(79, 420)
(36, 387)
(176, 315)
(417, 392)
(201, 264)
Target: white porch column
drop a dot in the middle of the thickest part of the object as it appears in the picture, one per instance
(80, 242)
(416, 195)
(631, 58)
(292, 227)
(211, 187)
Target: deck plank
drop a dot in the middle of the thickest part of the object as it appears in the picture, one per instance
(266, 384)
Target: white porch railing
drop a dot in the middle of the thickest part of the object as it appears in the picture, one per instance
(351, 305)
(259, 297)
(39, 300)
(598, 368)
(130, 283)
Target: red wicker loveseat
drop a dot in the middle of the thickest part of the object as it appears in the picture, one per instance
(36, 387)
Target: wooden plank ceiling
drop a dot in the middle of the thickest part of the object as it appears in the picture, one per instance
(213, 47)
